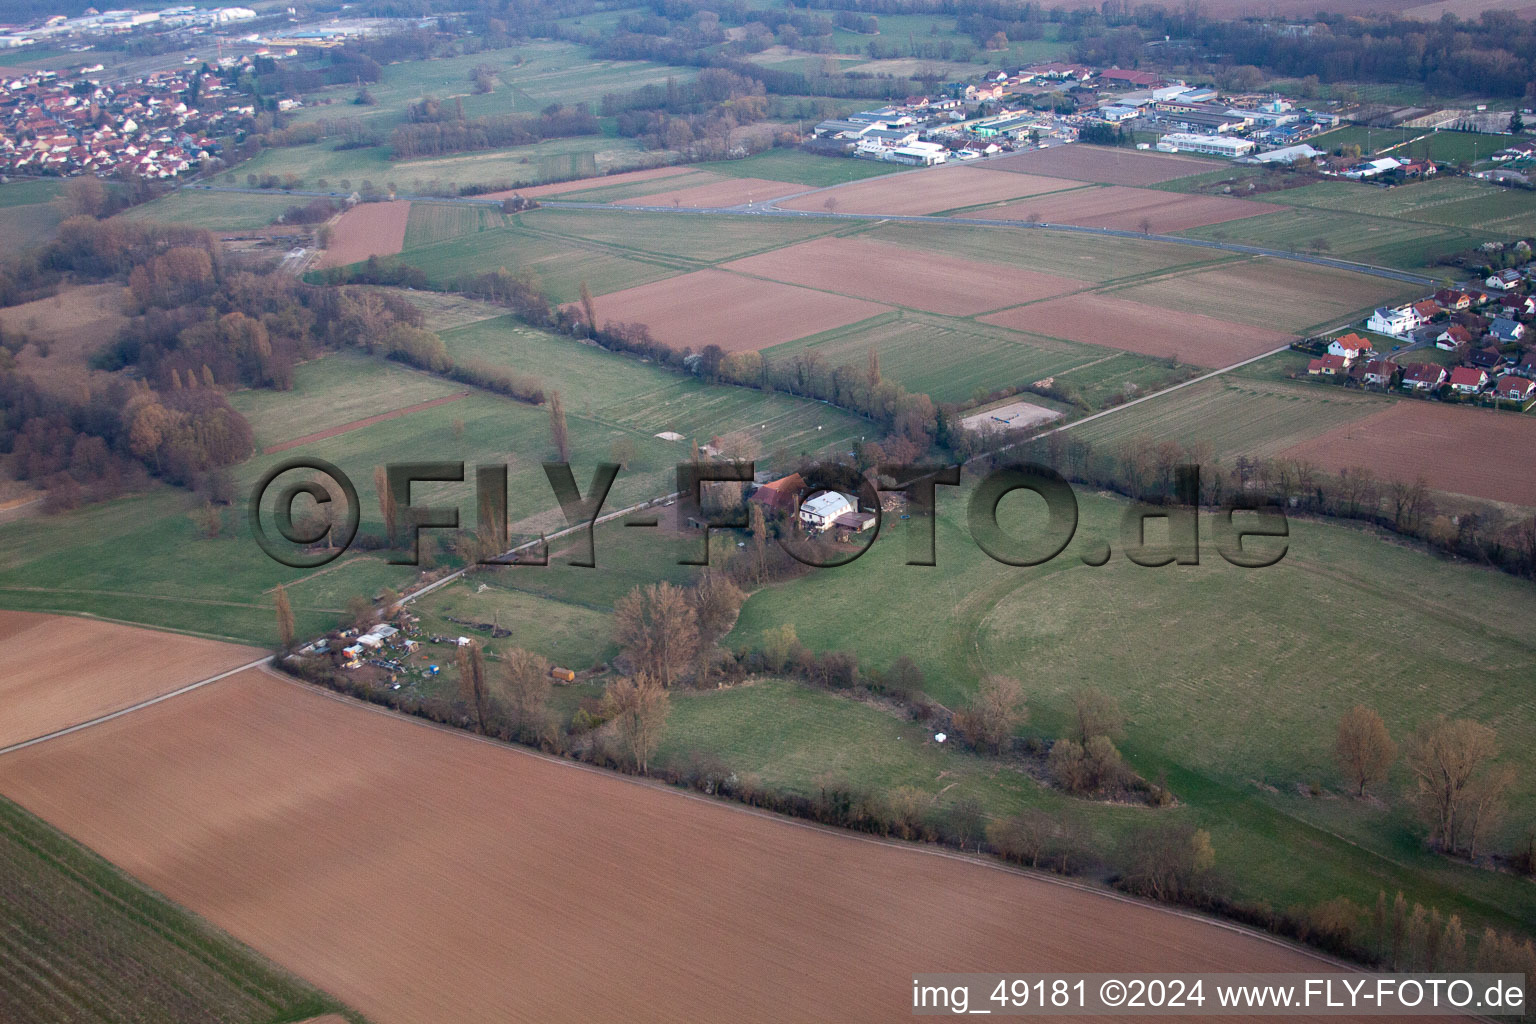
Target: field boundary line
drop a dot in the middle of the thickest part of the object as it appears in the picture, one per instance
(830, 830)
(130, 709)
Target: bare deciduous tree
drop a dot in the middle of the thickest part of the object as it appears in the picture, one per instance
(638, 707)
(522, 682)
(558, 434)
(658, 629)
(1363, 748)
(284, 619)
(472, 689)
(1448, 758)
(994, 713)
(1096, 713)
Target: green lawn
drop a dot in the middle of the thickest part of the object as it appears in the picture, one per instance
(801, 168)
(1381, 241)
(85, 943)
(27, 210)
(217, 211)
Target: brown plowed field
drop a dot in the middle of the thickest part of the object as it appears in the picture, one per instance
(730, 192)
(1103, 165)
(1477, 452)
(887, 272)
(1130, 209)
(424, 877)
(712, 307)
(1120, 323)
(1270, 293)
(559, 187)
(368, 229)
(61, 671)
(928, 191)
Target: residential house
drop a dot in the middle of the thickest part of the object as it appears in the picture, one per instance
(1379, 373)
(1468, 380)
(781, 494)
(1517, 305)
(1453, 300)
(1506, 330)
(1504, 280)
(1395, 322)
(1423, 376)
(1328, 366)
(822, 510)
(1515, 389)
(1351, 346)
(1453, 338)
(1486, 358)
(1426, 310)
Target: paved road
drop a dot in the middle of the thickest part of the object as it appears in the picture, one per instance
(770, 209)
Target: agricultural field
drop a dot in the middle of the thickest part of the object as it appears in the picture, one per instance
(1451, 202)
(1477, 452)
(1104, 165)
(1404, 245)
(1128, 209)
(28, 209)
(86, 943)
(368, 229)
(1106, 319)
(927, 191)
(177, 814)
(1271, 293)
(59, 678)
(948, 360)
(216, 211)
(1235, 416)
(528, 78)
(440, 222)
(884, 272)
(712, 307)
(801, 168)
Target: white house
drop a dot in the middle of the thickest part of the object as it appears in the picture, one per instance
(1396, 322)
(819, 511)
(1350, 346)
(1504, 280)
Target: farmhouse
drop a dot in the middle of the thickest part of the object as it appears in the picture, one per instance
(1468, 380)
(1395, 322)
(1453, 337)
(1351, 346)
(1423, 376)
(779, 495)
(821, 510)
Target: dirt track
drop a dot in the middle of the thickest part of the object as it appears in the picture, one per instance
(60, 671)
(1477, 452)
(888, 272)
(422, 876)
(368, 229)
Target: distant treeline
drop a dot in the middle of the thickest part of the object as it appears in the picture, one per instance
(435, 135)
